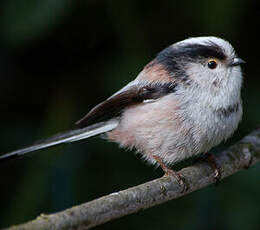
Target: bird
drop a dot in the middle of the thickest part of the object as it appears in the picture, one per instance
(183, 103)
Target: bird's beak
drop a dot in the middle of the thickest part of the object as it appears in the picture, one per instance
(236, 61)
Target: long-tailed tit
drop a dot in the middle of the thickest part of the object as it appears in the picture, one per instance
(183, 103)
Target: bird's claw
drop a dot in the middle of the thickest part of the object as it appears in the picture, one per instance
(179, 177)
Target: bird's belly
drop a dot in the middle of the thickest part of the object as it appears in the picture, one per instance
(155, 129)
(165, 130)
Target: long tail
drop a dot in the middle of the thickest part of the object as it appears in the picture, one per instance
(66, 137)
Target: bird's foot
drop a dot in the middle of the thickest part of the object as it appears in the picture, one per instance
(249, 163)
(210, 159)
(169, 172)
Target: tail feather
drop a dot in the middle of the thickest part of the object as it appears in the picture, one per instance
(66, 137)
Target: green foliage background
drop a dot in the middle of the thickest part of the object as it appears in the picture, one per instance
(59, 58)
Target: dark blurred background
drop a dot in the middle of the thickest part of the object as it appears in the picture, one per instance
(59, 58)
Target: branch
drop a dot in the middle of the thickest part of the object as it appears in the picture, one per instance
(85, 216)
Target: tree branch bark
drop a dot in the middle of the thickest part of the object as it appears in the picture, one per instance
(85, 216)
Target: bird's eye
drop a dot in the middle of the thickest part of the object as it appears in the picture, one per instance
(212, 64)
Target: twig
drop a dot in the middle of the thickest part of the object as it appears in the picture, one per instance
(132, 200)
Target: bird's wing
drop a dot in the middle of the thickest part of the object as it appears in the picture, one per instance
(130, 95)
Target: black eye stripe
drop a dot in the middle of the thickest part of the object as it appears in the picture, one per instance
(174, 57)
(210, 50)
(206, 51)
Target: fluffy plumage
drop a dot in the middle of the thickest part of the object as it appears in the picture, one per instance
(177, 107)
(204, 110)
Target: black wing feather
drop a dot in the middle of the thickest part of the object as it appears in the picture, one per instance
(114, 105)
